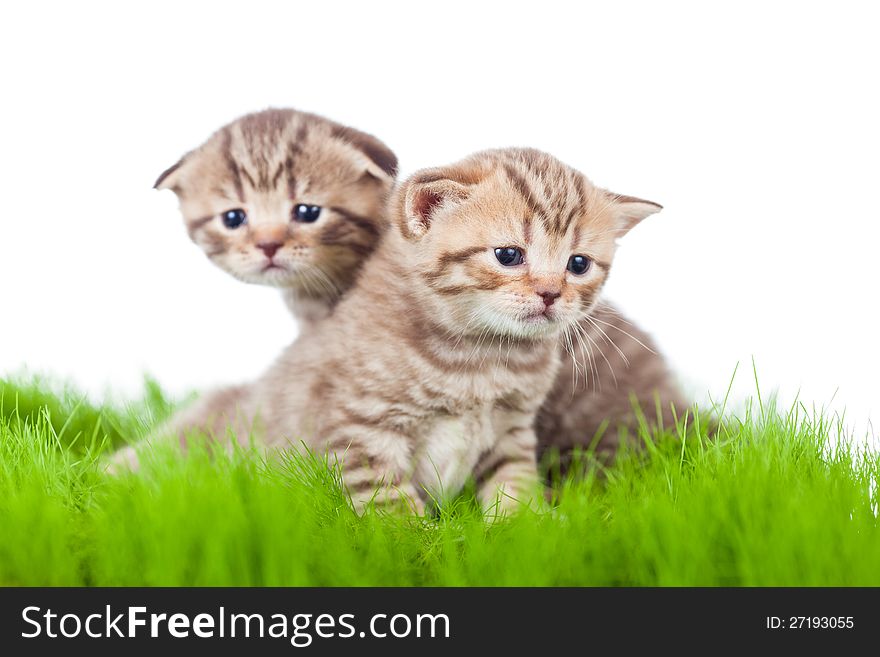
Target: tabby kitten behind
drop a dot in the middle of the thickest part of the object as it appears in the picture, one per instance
(450, 338)
(281, 198)
(287, 199)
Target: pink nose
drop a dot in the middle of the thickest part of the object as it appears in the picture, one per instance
(269, 248)
(549, 297)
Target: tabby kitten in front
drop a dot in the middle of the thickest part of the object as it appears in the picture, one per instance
(281, 198)
(433, 368)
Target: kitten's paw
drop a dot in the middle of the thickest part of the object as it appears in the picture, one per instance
(506, 504)
(122, 461)
(393, 499)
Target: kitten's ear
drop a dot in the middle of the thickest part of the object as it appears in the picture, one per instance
(426, 195)
(631, 210)
(170, 178)
(380, 161)
(375, 173)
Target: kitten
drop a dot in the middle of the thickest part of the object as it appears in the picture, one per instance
(286, 199)
(450, 338)
(281, 198)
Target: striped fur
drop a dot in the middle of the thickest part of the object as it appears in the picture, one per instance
(444, 356)
(266, 163)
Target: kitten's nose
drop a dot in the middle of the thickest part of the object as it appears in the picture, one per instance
(269, 248)
(549, 296)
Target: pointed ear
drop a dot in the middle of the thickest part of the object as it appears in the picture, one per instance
(170, 178)
(425, 196)
(631, 210)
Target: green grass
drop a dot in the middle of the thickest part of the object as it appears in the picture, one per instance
(768, 502)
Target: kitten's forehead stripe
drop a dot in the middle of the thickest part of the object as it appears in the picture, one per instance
(278, 173)
(524, 190)
(244, 172)
(291, 179)
(563, 194)
(536, 172)
(294, 151)
(301, 133)
(231, 164)
(264, 127)
(260, 136)
(259, 149)
(580, 207)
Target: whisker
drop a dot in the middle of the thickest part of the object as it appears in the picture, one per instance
(604, 357)
(608, 340)
(625, 333)
(594, 370)
(568, 345)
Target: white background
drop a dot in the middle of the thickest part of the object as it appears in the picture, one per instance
(756, 126)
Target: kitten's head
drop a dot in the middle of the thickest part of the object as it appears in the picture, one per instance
(511, 242)
(285, 198)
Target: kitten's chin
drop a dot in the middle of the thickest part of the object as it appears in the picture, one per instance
(272, 277)
(537, 328)
(532, 327)
(278, 277)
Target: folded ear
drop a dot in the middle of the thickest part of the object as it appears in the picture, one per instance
(631, 210)
(374, 172)
(427, 194)
(169, 178)
(380, 161)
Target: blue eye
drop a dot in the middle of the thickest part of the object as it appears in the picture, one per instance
(306, 213)
(509, 256)
(234, 218)
(578, 264)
